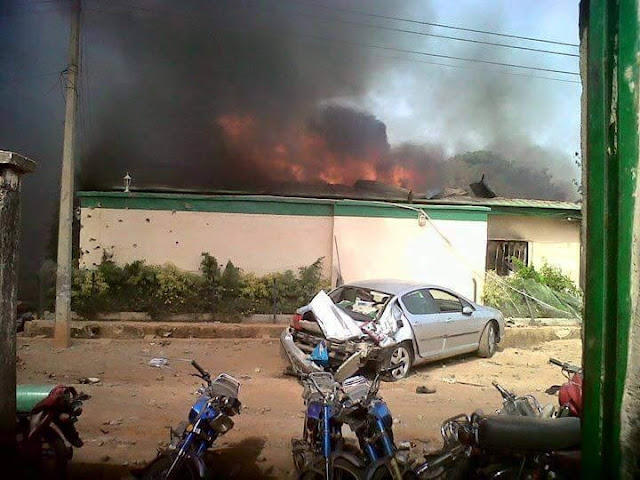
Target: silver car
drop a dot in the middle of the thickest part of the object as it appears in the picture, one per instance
(392, 324)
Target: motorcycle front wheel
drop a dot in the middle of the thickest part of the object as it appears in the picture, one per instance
(342, 470)
(384, 471)
(158, 469)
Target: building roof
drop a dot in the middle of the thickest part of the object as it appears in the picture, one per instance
(452, 207)
(505, 202)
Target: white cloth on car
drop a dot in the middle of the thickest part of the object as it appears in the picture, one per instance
(335, 323)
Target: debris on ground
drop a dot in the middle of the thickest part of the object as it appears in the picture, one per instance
(422, 389)
(159, 362)
(451, 379)
(88, 380)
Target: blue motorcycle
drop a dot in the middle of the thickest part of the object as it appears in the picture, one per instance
(208, 419)
(321, 454)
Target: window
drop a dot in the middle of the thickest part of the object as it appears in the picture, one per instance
(361, 304)
(446, 302)
(419, 303)
(500, 255)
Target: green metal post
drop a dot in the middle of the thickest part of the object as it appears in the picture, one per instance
(612, 267)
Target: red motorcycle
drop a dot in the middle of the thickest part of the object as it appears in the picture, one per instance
(570, 393)
(46, 432)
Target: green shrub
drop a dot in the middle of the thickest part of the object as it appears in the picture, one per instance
(165, 289)
(557, 294)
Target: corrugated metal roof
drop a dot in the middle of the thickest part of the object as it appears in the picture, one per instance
(504, 202)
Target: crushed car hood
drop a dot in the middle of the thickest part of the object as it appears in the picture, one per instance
(334, 322)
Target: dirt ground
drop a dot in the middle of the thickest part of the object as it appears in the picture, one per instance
(134, 404)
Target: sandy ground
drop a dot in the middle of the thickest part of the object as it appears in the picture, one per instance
(134, 404)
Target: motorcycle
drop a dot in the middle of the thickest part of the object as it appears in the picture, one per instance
(46, 432)
(570, 393)
(209, 417)
(322, 453)
(523, 439)
(355, 403)
(505, 446)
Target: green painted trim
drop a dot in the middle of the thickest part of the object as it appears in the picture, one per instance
(268, 205)
(536, 212)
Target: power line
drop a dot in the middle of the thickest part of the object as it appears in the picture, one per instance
(433, 24)
(435, 35)
(364, 45)
(439, 55)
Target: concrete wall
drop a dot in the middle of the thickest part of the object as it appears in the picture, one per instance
(374, 240)
(554, 240)
(255, 243)
(401, 248)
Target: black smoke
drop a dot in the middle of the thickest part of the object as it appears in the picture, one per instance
(164, 82)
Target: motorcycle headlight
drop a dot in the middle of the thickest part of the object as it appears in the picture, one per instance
(221, 424)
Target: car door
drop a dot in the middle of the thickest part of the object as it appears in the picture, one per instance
(461, 327)
(427, 323)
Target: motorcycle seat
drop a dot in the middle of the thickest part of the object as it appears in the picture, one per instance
(28, 396)
(528, 433)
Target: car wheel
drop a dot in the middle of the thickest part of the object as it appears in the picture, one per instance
(488, 341)
(401, 357)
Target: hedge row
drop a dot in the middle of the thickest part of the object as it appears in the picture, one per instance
(161, 290)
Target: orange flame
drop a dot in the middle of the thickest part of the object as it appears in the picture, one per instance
(304, 157)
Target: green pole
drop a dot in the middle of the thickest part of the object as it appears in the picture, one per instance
(610, 417)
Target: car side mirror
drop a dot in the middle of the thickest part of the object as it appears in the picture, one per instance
(467, 311)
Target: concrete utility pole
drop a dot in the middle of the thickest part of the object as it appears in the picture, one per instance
(61, 335)
(12, 167)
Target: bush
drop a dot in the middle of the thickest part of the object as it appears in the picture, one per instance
(561, 297)
(163, 290)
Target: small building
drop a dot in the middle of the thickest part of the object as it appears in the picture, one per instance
(449, 241)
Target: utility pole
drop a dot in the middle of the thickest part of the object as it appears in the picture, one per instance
(61, 335)
(12, 167)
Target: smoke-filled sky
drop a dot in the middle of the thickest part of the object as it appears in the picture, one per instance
(247, 94)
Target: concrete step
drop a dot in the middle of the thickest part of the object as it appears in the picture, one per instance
(136, 330)
(515, 337)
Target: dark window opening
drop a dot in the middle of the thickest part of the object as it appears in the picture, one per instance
(500, 255)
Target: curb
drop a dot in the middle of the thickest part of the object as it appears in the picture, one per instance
(515, 337)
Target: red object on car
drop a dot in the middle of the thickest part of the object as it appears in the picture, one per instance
(295, 321)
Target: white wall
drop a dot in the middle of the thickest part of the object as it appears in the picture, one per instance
(552, 240)
(368, 247)
(402, 249)
(255, 243)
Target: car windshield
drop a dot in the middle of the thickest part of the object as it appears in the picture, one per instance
(362, 304)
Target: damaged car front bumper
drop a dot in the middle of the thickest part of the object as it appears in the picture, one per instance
(298, 345)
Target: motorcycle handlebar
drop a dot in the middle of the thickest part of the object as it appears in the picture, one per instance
(200, 370)
(555, 361)
(565, 366)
